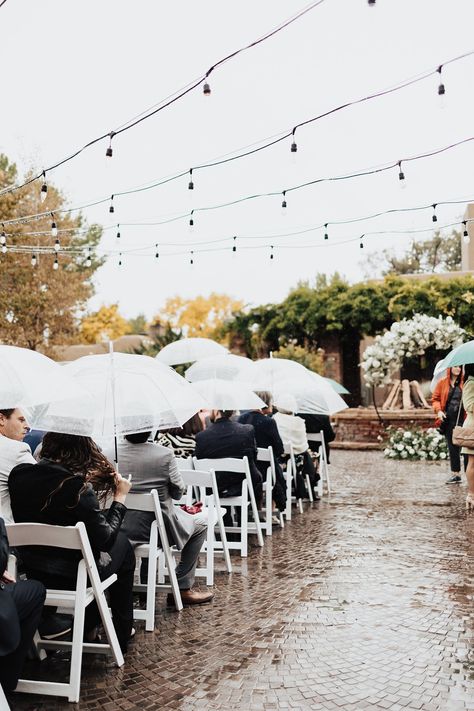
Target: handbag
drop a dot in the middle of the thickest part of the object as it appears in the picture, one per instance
(463, 436)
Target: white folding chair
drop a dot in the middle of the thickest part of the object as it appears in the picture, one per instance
(288, 449)
(265, 454)
(3, 701)
(157, 548)
(323, 461)
(71, 538)
(240, 466)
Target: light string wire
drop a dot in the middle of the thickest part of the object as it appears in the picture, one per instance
(349, 176)
(169, 100)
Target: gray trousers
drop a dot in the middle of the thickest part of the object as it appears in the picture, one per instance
(186, 568)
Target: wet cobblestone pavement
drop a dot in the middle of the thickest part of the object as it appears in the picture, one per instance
(363, 602)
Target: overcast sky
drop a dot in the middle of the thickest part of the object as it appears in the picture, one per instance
(74, 70)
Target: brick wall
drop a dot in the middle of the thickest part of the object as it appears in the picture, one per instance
(359, 428)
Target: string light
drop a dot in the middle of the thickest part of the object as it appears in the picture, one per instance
(190, 184)
(206, 89)
(109, 152)
(111, 208)
(361, 243)
(191, 261)
(157, 254)
(44, 188)
(441, 87)
(57, 246)
(3, 238)
(118, 232)
(4, 249)
(54, 227)
(89, 258)
(371, 3)
(56, 263)
(34, 260)
(120, 259)
(326, 235)
(191, 220)
(465, 234)
(294, 146)
(234, 246)
(434, 217)
(283, 203)
(401, 175)
(271, 251)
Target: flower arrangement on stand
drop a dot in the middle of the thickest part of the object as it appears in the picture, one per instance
(415, 444)
(405, 339)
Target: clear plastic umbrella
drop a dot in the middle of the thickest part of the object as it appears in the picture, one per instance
(338, 387)
(438, 373)
(314, 395)
(224, 367)
(227, 395)
(29, 378)
(188, 350)
(125, 393)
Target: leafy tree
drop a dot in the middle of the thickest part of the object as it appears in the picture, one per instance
(106, 324)
(160, 337)
(39, 306)
(202, 316)
(310, 359)
(440, 253)
(138, 325)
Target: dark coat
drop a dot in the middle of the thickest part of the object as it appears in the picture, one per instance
(266, 431)
(319, 423)
(31, 487)
(9, 622)
(230, 439)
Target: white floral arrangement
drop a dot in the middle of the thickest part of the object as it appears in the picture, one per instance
(408, 338)
(416, 444)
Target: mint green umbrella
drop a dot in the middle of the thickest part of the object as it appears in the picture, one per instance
(462, 355)
(337, 386)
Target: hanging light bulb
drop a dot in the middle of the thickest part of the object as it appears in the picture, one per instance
(109, 152)
(283, 204)
(44, 188)
(361, 243)
(191, 220)
(271, 251)
(190, 184)
(111, 208)
(401, 175)
(293, 147)
(4, 249)
(465, 235)
(56, 263)
(54, 227)
(434, 217)
(191, 261)
(371, 3)
(157, 254)
(89, 258)
(441, 87)
(118, 232)
(3, 237)
(57, 246)
(120, 259)
(33, 260)
(326, 235)
(234, 246)
(206, 89)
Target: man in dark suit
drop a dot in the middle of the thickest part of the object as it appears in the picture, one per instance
(21, 605)
(225, 438)
(315, 424)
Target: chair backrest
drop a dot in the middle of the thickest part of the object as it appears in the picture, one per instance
(315, 437)
(226, 464)
(184, 463)
(265, 454)
(200, 480)
(140, 502)
(150, 502)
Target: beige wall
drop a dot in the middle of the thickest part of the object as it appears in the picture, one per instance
(467, 250)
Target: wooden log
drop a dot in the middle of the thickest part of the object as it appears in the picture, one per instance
(394, 403)
(406, 399)
(420, 394)
(389, 398)
(415, 398)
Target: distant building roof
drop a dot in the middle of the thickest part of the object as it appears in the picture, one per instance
(124, 344)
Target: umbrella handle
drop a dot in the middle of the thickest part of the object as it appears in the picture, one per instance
(112, 370)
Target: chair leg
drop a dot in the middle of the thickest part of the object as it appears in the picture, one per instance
(210, 548)
(78, 635)
(225, 546)
(244, 531)
(258, 528)
(310, 491)
(151, 592)
(300, 505)
(268, 508)
(288, 495)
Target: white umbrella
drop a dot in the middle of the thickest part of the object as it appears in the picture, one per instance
(224, 367)
(314, 395)
(29, 378)
(188, 350)
(125, 393)
(227, 395)
(438, 373)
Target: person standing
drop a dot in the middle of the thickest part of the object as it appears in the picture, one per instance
(446, 402)
(13, 451)
(468, 404)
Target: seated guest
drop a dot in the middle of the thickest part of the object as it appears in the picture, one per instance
(13, 428)
(154, 467)
(267, 435)
(63, 489)
(315, 424)
(292, 430)
(21, 604)
(225, 438)
(181, 440)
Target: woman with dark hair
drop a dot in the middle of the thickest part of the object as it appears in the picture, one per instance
(68, 485)
(468, 404)
(182, 440)
(446, 402)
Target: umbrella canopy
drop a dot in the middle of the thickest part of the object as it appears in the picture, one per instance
(29, 378)
(337, 387)
(224, 367)
(125, 393)
(438, 373)
(314, 395)
(462, 355)
(188, 350)
(227, 395)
